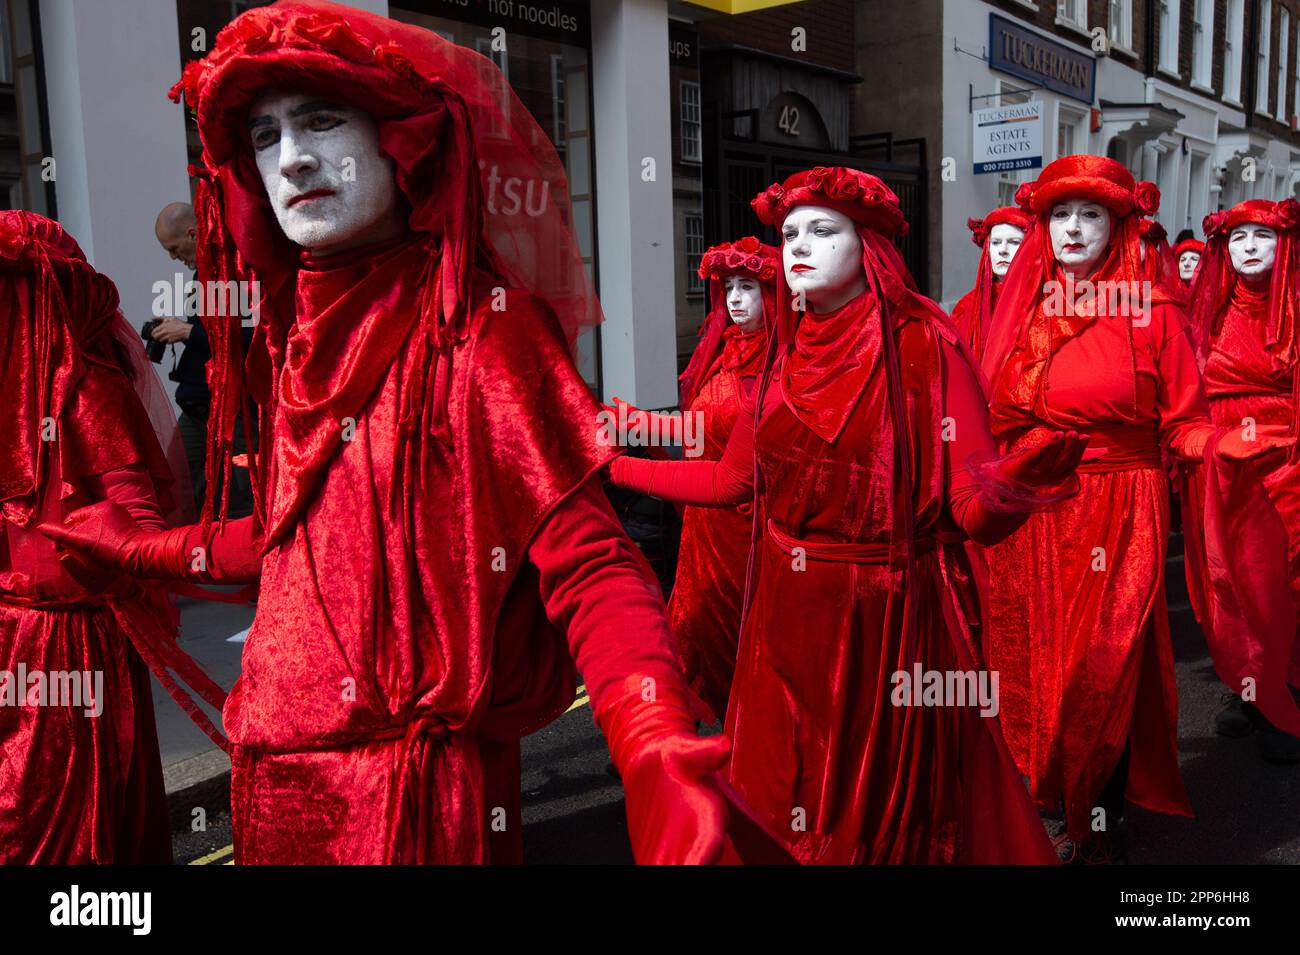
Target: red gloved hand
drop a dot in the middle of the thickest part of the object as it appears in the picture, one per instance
(1235, 446)
(1048, 463)
(106, 534)
(676, 812)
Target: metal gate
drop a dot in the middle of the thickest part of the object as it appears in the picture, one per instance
(738, 167)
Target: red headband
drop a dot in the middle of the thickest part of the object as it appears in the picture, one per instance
(862, 197)
(1097, 178)
(1003, 215)
(1282, 216)
(745, 256)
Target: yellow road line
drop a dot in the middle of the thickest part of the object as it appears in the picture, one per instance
(212, 857)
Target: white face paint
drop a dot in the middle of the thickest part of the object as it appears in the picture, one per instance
(744, 301)
(1187, 265)
(329, 186)
(1004, 242)
(1252, 247)
(822, 256)
(1080, 234)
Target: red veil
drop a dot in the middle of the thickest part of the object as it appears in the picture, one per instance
(478, 173)
(978, 308)
(747, 257)
(61, 317)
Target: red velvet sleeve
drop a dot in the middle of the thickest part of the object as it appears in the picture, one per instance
(1185, 426)
(972, 441)
(132, 488)
(723, 483)
(598, 588)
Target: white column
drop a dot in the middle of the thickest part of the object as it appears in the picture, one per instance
(634, 216)
(119, 143)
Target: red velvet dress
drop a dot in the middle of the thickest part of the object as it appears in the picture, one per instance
(820, 748)
(1245, 379)
(709, 589)
(78, 789)
(1078, 622)
(414, 592)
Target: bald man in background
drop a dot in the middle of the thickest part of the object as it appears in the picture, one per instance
(176, 230)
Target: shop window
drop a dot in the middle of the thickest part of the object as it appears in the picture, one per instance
(690, 112)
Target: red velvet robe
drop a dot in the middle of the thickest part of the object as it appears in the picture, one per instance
(1078, 624)
(77, 789)
(709, 589)
(965, 319)
(406, 634)
(822, 747)
(1245, 379)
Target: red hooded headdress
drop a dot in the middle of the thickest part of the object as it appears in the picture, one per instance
(977, 311)
(747, 257)
(60, 318)
(480, 177)
(1216, 279)
(1106, 182)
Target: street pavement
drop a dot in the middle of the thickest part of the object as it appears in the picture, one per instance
(1248, 810)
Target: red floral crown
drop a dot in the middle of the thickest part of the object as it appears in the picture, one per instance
(862, 197)
(747, 256)
(1189, 245)
(1098, 178)
(1283, 216)
(1003, 215)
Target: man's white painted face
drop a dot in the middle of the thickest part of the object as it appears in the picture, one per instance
(1187, 263)
(319, 160)
(744, 300)
(822, 255)
(1004, 242)
(1252, 247)
(1080, 234)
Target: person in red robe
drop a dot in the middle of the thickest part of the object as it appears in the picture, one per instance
(866, 464)
(80, 773)
(1078, 625)
(998, 236)
(435, 551)
(1187, 256)
(1247, 295)
(708, 590)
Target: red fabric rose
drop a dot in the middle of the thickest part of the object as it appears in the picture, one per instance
(749, 244)
(1146, 197)
(1288, 213)
(1024, 194)
(977, 231)
(1213, 223)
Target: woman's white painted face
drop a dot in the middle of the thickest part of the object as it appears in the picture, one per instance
(1252, 247)
(822, 256)
(1004, 242)
(744, 300)
(329, 185)
(1187, 263)
(1080, 234)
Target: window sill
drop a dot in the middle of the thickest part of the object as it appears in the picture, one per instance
(1170, 74)
(1234, 103)
(1123, 51)
(1074, 27)
(1027, 4)
(1202, 88)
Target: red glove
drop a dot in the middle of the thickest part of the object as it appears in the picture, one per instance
(676, 812)
(106, 534)
(1048, 463)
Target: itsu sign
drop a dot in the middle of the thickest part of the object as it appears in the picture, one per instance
(1009, 138)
